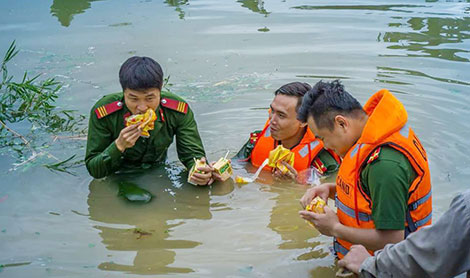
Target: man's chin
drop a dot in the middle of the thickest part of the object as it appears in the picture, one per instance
(275, 137)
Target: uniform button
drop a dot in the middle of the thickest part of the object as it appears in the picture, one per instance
(119, 104)
(163, 101)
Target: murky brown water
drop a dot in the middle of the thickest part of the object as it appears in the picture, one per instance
(226, 58)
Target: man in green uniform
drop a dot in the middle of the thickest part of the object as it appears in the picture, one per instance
(112, 146)
(379, 193)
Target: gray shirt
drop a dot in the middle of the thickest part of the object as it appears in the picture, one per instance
(441, 250)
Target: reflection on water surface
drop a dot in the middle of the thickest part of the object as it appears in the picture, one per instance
(430, 37)
(65, 10)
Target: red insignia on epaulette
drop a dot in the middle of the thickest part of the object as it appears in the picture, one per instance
(374, 156)
(107, 109)
(173, 104)
(254, 137)
(318, 164)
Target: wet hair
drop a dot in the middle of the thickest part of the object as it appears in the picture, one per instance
(325, 101)
(295, 89)
(141, 73)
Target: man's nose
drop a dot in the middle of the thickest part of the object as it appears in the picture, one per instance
(142, 107)
(272, 118)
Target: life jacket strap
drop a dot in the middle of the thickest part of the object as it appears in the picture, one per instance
(422, 200)
(339, 248)
(413, 226)
(364, 217)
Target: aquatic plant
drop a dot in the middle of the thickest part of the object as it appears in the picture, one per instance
(29, 114)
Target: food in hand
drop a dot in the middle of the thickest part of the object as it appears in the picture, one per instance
(145, 121)
(278, 155)
(223, 167)
(316, 205)
(198, 163)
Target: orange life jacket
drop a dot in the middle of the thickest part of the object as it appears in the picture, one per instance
(305, 153)
(386, 126)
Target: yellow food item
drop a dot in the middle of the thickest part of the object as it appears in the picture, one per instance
(316, 205)
(198, 163)
(223, 167)
(278, 155)
(145, 121)
(240, 180)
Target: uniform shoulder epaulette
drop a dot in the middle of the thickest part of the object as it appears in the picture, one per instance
(174, 104)
(374, 156)
(109, 108)
(254, 136)
(318, 164)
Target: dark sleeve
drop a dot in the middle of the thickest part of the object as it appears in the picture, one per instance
(188, 141)
(102, 156)
(245, 151)
(329, 161)
(388, 180)
(439, 250)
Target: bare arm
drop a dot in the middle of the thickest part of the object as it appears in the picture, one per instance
(329, 225)
(372, 239)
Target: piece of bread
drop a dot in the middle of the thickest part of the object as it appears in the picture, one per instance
(278, 155)
(316, 205)
(146, 121)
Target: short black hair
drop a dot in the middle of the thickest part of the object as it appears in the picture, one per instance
(295, 89)
(140, 73)
(326, 100)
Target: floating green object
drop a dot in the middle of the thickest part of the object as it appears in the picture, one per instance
(134, 193)
(265, 29)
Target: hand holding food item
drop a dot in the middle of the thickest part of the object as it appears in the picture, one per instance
(223, 167)
(278, 155)
(198, 163)
(145, 121)
(316, 205)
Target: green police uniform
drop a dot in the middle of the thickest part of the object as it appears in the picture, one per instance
(174, 118)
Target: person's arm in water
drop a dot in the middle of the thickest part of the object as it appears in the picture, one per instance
(386, 180)
(329, 225)
(103, 153)
(189, 146)
(440, 250)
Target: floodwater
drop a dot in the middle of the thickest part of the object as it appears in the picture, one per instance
(226, 57)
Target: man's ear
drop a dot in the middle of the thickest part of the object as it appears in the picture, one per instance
(341, 122)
